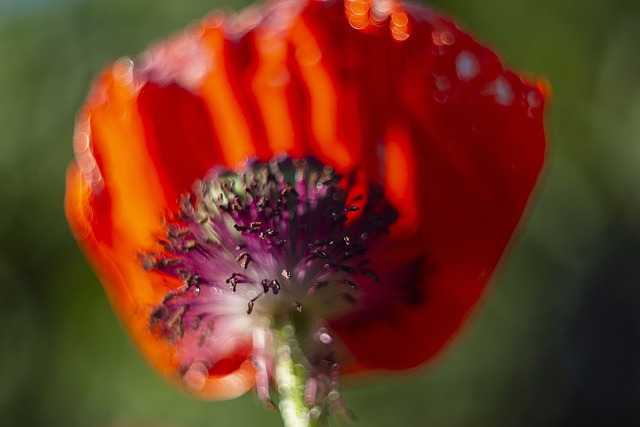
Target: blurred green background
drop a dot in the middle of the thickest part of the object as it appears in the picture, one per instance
(557, 342)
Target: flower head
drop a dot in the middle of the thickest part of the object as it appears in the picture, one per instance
(346, 175)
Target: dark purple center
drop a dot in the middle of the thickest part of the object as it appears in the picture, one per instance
(286, 239)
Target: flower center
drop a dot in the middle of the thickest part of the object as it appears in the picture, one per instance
(281, 245)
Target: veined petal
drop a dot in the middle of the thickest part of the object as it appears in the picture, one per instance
(476, 134)
(115, 205)
(387, 92)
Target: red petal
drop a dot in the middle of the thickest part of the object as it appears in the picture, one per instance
(456, 141)
(465, 145)
(114, 204)
(178, 135)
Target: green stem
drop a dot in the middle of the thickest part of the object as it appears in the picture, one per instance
(290, 378)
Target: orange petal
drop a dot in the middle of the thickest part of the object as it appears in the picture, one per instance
(134, 292)
(417, 105)
(115, 205)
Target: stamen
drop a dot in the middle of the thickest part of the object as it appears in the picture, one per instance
(311, 390)
(260, 363)
(244, 259)
(288, 233)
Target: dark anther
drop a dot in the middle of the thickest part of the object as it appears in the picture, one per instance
(149, 262)
(271, 233)
(174, 324)
(347, 256)
(347, 241)
(286, 274)
(168, 297)
(266, 285)
(183, 273)
(274, 213)
(245, 262)
(188, 245)
(317, 243)
(244, 259)
(352, 208)
(206, 334)
(349, 298)
(346, 268)
(319, 254)
(240, 227)
(233, 281)
(261, 203)
(196, 323)
(168, 262)
(352, 284)
(338, 217)
(322, 284)
(256, 224)
(186, 208)
(192, 279)
(250, 307)
(158, 314)
(235, 205)
(371, 274)
(275, 286)
(298, 306)
(175, 231)
(196, 290)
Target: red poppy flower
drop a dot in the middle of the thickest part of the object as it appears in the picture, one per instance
(411, 153)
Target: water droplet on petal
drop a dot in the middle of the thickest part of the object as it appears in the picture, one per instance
(123, 71)
(501, 90)
(467, 66)
(81, 142)
(325, 338)
(442, 38)
(533, 99)
(381, 8)
(399, 26)
(358, 7)
(504, 92)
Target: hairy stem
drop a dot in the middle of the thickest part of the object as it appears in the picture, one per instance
(291, 377)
